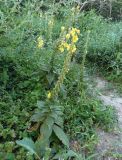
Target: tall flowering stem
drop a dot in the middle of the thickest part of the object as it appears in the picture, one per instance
(83, 61)
(69, 44)
(63, 73)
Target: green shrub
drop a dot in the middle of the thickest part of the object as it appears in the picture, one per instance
(105, 44)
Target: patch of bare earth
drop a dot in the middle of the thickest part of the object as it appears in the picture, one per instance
(109, 142)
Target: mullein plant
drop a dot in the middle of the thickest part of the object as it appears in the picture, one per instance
(48, 117)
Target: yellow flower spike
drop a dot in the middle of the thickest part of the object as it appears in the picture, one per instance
(40, 42)
(74, 38)
(49, 95)
(67, 36)
(62, 28)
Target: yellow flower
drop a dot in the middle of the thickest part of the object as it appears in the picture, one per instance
(62, 28)
(74, 38)
(73, 48)
(50, 23)
(75, 30)
(67, 36)
(64, 44)
(61, 48)
(49, 95)
(78, 31)
(40, 42)
(67, 46)
(72, 32)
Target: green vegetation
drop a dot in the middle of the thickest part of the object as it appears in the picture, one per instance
(45, 105)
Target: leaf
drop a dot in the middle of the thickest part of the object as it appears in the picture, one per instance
(47, 153)
(59, 155)
(50, 78)
(56, 111)
(61, 135)
(59, 121)
(28, 144)
(40, 113)
(41, 146)
(71, 153)
(37, 117)
(92, 156)
(50, 122)
(8, 156)
(45, 131)
(47, 127)
(66, 154)
(40, 104)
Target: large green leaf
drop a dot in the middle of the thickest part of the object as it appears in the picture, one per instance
(64, 154)
(47, 127)
(28, 144)
(50, 78)
(61, 135)
(40, 104)
(49, 121)
(41, 146)
(59, 121)
(38, 116)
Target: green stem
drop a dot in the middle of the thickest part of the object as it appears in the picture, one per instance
(62, 75)
(83, 61)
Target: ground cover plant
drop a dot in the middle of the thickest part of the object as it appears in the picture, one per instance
(44, 102)
(105, 51)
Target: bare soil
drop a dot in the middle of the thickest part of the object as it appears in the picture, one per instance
(109, 143)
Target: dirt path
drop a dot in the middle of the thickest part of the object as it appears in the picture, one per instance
(109, 143)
